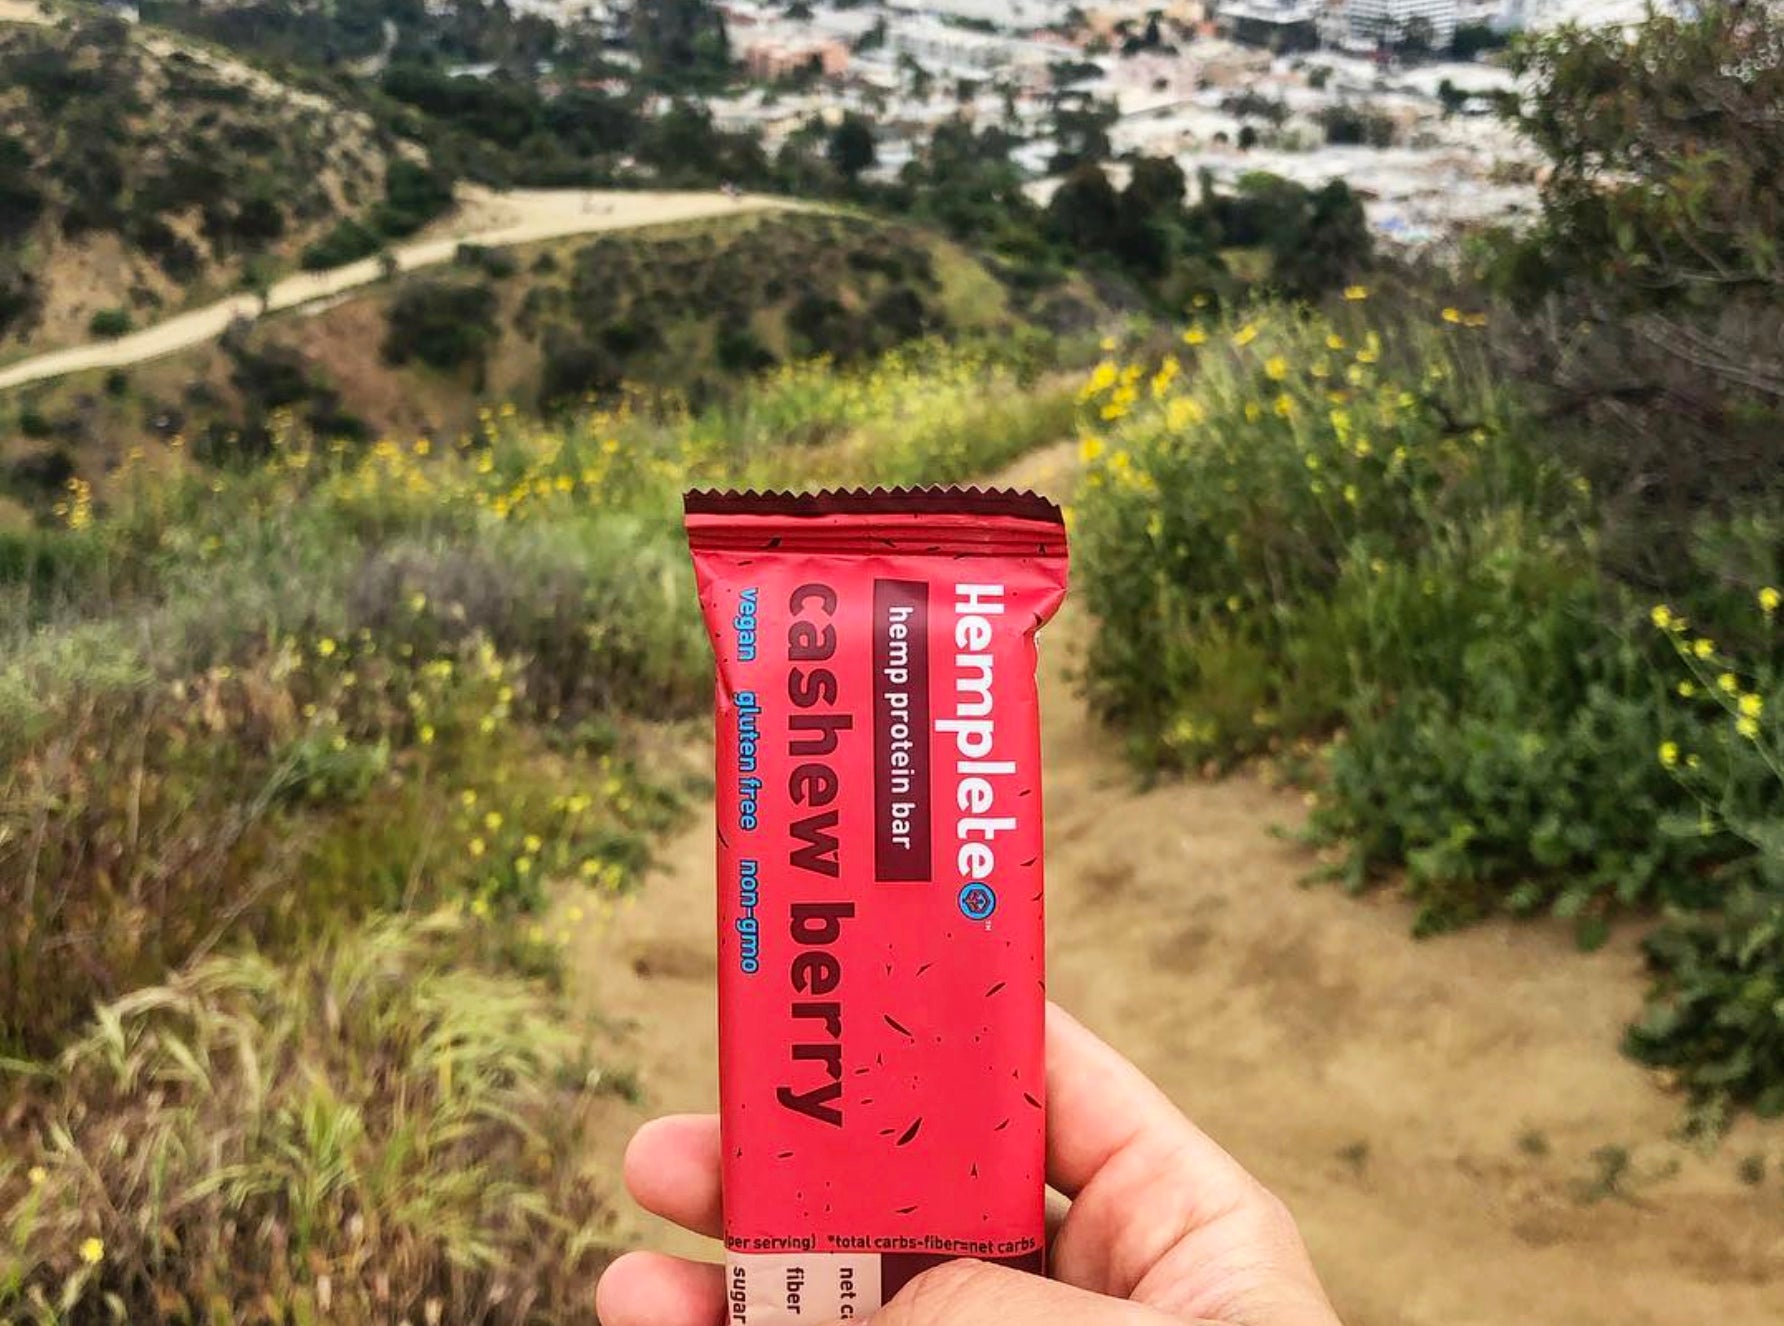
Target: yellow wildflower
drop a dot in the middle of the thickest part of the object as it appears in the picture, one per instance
(1350, 493)
(1661, 616)
(1354, 293)
(531, 842)
(1747, 727)
(1687, 689)
(468, 798)
(1252, 413)
(1276, 368)
(480, 907)
(37, 1174)
(1107, 343)
(523, 865)
(1334, 341)
(1729, 683)
(326, 647)
(1182, 412)
(1768, 600)
(1669, 753)
(92, 1251)
(476, 847)
(493, 820)
(1752, 706)
(1194, 336)
(1703, 647)
(1102, 377)
(1089, 448)
(1245, 335)
(426, 733)
(1452, 315)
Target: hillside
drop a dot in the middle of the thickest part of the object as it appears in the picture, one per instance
(139, 174)
(690, 309)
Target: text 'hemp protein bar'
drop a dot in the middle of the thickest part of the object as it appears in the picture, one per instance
(881, 996)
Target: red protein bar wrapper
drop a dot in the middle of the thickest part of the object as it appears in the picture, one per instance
(881, 981)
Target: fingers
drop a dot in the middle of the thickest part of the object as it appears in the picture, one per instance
(654, 1289)
(972, 1293)
(672, 1169)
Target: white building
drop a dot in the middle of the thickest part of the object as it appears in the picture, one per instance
(942, 48)
(1371, 23)
(1005, 15)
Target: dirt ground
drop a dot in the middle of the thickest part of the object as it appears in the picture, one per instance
(1449, 1119)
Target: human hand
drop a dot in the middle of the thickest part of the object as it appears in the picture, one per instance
(1164, 1227)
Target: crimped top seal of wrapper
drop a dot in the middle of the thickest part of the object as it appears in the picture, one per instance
(932, 501)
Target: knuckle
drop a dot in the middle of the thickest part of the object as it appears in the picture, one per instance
(1276, 1223)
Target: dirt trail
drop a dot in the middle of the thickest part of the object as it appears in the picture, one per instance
(520, 217)
(1429, 1110)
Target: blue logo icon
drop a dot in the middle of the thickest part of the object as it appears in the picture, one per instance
(977, 901)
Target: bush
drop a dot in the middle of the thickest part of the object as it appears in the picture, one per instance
(443, 324)
(413, 196)
(594, 611)
(349, 241)
(1326, 534)
(496, 263)
(1716, 1014)
(109, 323)
(380, 1131)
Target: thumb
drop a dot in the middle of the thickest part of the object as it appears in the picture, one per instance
(975, 1293)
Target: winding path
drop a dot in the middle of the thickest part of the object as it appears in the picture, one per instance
(521, 217)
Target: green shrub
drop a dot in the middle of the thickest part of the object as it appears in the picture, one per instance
(384, 1130)
(496, 263)
(596, 612)
(1325, 534)
(349, 241)
(109, 323)
(413, 196)
(1716, 1012)
(445, 325)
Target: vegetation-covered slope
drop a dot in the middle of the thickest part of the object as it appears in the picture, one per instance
(689, 311)
(136, 172)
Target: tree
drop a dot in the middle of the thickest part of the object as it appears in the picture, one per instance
(1666, 178)
(1084, 211)
(1473, 38)
(1081, 126)
(1418, 38)
(680, 40)
(851, 149)
(1156, 186)
(1325, 246)
(20, 199)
